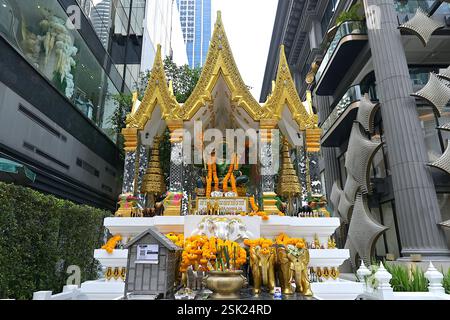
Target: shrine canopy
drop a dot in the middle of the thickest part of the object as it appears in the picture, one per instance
(221, 99)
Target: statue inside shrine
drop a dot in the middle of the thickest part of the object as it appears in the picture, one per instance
(222, 178)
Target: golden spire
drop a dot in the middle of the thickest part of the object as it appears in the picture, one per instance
(153, 181)
(288, 183)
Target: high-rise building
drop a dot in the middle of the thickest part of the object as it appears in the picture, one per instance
(195, 17)
(369, 64)
(100, 16)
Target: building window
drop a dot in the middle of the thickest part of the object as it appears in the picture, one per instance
(444, 206)
(68, 65)
(433, 138)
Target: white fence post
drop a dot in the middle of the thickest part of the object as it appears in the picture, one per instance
(435, 280)
(384, 287)
(42, 295)
(363, 273)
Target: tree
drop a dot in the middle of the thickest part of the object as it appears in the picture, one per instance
(184, 79)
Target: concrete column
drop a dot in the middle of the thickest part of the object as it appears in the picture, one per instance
(330, 160)
(415, 195)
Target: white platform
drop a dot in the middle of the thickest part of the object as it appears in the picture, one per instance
(101, 290)
(337, 290)
(296, 227)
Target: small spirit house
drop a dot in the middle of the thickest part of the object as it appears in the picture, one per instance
(152, 263)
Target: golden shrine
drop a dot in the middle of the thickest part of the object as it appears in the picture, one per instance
(232, 199)
(220, 101)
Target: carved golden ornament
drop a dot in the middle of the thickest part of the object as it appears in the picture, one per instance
(115, 273)
(176, 130)
(131, 139)
(288, 183)
(313, 139)
(153, 180)
(310, 77)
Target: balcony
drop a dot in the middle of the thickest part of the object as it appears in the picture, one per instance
(336, 128)
(350, 38)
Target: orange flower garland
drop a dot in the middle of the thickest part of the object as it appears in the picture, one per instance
(284, 239)
(264, 243)
(200, 253)
(177, 238)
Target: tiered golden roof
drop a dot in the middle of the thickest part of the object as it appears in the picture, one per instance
(288, 183)
(153, 181)
(220, 63)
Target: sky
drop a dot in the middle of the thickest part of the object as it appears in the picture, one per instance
(249, 26)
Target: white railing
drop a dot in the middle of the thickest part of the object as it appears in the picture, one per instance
(384, 290)
(70, 292)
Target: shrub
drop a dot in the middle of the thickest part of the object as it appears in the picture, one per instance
(40, 236)
(446, 281)
(407, 280)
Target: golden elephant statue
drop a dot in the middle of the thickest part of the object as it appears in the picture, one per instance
(262, 264)
(285, 271)
(299, 264)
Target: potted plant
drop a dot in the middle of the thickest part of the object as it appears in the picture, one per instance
(353, 14)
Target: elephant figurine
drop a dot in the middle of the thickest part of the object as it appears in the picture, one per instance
(262, 265)
(284, 270)
(299, 264)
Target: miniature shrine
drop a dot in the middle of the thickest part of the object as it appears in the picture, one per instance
(256, 222)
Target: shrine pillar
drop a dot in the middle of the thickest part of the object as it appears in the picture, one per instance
(312, 147)
(173, 200)
(129, 172)
(269, 159)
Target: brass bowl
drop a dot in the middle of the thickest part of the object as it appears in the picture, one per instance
(225, 285)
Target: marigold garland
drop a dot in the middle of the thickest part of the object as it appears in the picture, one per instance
(201, 253)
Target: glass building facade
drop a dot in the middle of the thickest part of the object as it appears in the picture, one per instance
(39, 30)
(195, 18)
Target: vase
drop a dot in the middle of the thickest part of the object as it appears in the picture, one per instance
(225, 285)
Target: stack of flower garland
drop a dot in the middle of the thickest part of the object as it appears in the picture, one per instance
(211, 254)
(177, 238)
(263, 243)
(284, 239)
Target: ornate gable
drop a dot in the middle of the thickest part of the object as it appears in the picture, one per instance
(285, 93)
(220, 62)
(156, 93)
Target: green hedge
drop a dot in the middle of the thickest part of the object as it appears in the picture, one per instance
(40, 236)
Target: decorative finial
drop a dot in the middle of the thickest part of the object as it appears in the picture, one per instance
(219, 18)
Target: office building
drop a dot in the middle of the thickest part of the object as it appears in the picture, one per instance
(370, 67)
(195, 17)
